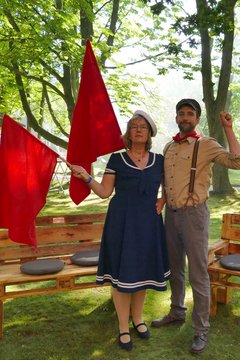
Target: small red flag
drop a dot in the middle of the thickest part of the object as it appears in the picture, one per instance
(94, 130)
(26, 169)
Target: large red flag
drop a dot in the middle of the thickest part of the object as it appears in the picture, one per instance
(26, 169)
(95, 130)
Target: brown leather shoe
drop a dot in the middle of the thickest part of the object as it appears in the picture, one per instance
(166, 320)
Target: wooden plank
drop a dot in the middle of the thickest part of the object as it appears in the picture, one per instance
(233, 248)
(11, 274)
(60, 222)
(4, 238)
(69, 233)
(227, 284)
(70, 219)
(47, 251)
(230, 227)
(213, 303)
(219, 247)
(62, 234)
(52, 290)
(216, 267)
(232, 234)
(224, 294)
(235, 218)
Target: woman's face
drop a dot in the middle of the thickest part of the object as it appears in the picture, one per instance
(139, 131)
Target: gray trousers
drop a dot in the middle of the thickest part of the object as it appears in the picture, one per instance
(187, 235)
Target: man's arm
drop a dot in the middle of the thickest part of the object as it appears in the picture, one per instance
(226, 121)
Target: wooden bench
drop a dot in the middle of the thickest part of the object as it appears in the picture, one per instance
(223, 280)
(58, 237)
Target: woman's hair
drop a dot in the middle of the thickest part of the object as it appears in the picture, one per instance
(126, 137)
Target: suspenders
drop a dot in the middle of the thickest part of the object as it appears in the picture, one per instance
(193, 172)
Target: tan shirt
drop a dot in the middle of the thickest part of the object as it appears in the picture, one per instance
(177, 166)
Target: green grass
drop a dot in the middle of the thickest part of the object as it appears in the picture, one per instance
(82, 325)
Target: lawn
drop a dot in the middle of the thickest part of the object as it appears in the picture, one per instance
(81, 325)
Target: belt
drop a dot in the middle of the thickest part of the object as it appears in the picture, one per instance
(184, 207)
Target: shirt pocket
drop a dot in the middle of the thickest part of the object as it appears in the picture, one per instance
(186, 157)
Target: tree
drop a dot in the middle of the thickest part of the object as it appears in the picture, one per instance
(215, 102)
(42, 47)
(213, 27)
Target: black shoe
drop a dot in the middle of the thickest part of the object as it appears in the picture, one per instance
(126, 346)
(199, 343)
(142, 334)
(167, 320)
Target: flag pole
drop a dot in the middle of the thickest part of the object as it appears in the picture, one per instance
(65, 161)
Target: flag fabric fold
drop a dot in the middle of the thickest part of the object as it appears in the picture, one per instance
(26, 169)
(94, 130)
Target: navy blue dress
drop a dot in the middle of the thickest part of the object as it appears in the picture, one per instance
(133, 254)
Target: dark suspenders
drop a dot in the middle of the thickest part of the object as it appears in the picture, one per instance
(193, 172)
(193, 167)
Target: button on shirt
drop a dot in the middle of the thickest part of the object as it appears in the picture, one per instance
(177, 166)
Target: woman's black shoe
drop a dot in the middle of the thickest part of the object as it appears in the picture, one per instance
(126, 346)
(142, 334)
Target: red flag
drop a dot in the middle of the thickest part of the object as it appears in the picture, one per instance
(26, 169)
(95, 130)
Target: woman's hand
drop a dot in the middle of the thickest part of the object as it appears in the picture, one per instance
(160, 205)
(79, 172)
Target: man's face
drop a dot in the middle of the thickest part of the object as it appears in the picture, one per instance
(187, 119)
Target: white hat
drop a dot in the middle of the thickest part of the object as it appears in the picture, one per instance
(148, 119)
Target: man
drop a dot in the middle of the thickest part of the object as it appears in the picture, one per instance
(187, 214)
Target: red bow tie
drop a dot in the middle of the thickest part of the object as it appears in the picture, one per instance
(193, 134)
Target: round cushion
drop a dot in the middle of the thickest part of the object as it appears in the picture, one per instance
(41, 267)
(231, 262)
(85, 258)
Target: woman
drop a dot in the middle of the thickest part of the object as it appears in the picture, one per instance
(133, 255)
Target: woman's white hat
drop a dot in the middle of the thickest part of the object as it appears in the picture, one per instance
(148, 119)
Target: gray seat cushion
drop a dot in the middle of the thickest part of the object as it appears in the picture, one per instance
(41, 267)
(85, 258)
(231, 262)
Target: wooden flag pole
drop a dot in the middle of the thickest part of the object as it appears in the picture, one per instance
(65, 161)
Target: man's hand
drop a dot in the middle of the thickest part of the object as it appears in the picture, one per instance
(159, 205)
(225, 119)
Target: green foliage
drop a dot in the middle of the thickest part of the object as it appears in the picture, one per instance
(42, 56)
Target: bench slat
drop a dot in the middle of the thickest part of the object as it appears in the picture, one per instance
(47, 251)
(69, 219)
(17, 277)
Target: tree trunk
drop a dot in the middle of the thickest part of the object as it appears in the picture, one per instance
(215, 104)
(220, 180)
